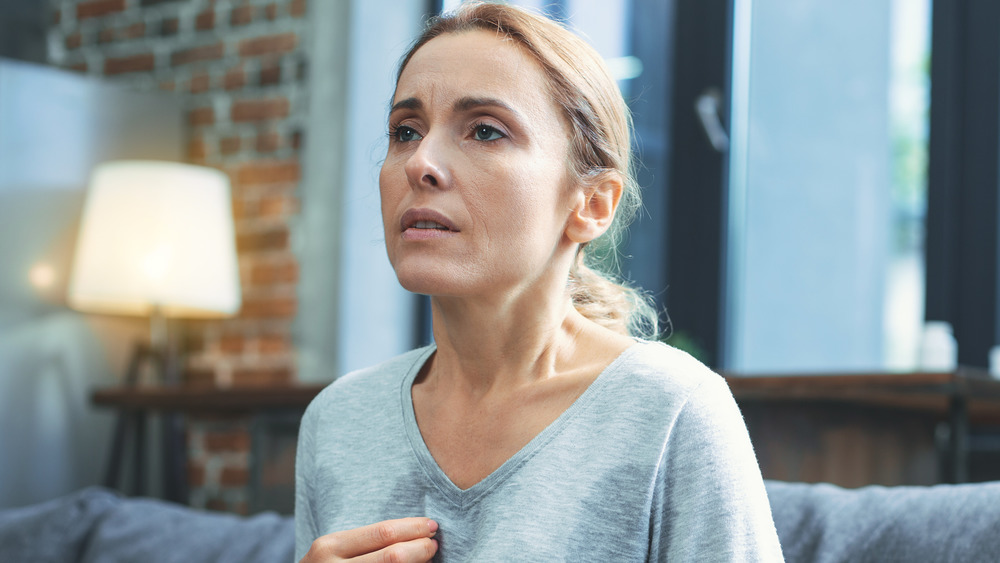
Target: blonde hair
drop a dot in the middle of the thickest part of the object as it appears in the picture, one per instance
(601, 126)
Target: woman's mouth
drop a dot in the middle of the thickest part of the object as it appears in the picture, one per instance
(426, 220)
(429, 225)
(426, 224)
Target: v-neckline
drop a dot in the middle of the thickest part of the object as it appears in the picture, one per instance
(465, 497)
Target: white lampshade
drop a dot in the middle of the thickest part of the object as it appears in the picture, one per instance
(156, 234)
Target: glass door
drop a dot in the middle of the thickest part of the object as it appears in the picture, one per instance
(826, 185)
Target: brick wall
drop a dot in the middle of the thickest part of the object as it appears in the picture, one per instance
(239, 69)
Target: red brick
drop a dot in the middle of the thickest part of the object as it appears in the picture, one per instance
(205, 20)
(268, 44)
(268, 172)
(269, 307)
(197, 54)
(271, 11)
(297, 140)
(78, 67)
(232, 344)
(268, 141)
(270, 72)
(56, 17)
(259, 110)
(241, 15)
(229, 145)
(135, 63)
(200, 82)
(277, 206)
(273, 344)
(275, 273)
(167, 85)
(217, 504)
(134, 31)
(196, 474)
(197, 149)
(230, 441)
(276, 239)
(297, 8)
(201, 116)
(243, 209)
(98, 8)
(234, 79)
(234, 477)
(73, 41)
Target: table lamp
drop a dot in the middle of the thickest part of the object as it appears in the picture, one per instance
(156, 239)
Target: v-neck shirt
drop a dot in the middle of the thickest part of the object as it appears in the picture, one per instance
(651, 463)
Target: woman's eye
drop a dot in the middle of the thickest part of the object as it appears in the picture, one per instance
(405, 134)
(487, 133)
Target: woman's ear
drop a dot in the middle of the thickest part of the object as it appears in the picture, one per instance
(595, 208)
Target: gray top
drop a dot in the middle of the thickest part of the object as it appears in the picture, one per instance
(651, 463)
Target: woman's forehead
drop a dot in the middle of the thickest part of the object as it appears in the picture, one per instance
(473, 63)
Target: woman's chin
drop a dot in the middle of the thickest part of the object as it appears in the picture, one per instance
(425, 283)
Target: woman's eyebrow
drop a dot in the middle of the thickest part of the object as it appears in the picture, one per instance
(467, 103)
(408, 103)
(463, 104)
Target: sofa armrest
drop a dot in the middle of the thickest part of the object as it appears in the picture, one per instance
(826, 523)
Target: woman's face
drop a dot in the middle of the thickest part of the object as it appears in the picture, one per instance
(476, 189)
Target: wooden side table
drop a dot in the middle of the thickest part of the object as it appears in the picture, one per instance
(138, 403)
(961, 398)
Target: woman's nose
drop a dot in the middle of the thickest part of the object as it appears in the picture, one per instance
(426, 167)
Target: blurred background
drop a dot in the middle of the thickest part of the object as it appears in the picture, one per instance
(819, 178)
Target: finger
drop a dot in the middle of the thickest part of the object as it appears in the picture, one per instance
(413, 551)
(371, 538)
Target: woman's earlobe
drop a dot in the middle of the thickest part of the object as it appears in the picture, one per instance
(595, 210)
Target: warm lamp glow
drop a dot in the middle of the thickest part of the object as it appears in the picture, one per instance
(42, 276)
(156, 234)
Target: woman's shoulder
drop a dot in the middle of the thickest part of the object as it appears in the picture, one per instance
(662, 374)
(662, 365)
(371, 384)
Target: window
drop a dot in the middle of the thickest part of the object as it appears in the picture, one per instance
(827, 185)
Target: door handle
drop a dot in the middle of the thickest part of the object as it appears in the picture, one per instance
(707, 106)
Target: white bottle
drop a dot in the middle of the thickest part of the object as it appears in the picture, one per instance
(995, 362)
(938, 349)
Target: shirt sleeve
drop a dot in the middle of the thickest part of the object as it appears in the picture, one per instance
(711, 505)
(305, 521)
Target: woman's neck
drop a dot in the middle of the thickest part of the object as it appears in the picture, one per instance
(499, 349)
(483, 347)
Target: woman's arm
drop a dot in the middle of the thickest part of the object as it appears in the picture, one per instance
(712, 505)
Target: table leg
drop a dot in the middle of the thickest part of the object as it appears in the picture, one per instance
(959, 442)
(139, 455)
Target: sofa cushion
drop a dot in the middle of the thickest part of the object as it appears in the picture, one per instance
(96, 525)
(824, 523)
(152, 530)
(56, 530)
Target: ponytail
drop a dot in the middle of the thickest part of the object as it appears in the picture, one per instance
(612, 304)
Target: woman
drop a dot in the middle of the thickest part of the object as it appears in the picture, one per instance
(537, 428)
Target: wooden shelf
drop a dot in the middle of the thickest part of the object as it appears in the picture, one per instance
(207, 399)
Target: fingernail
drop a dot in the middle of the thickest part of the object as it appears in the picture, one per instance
(432, 526)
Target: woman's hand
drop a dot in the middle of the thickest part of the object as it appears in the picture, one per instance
(407, 540)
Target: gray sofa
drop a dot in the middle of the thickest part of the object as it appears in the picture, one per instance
(820, 523)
